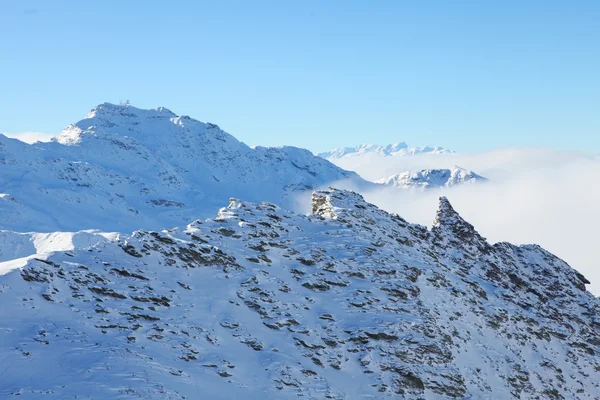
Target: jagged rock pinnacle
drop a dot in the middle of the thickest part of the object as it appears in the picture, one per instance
(449, 226)
(446, 215)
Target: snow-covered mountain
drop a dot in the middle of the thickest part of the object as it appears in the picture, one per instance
(432, 178)
(259, 303)
(123, 168)
(396, 149)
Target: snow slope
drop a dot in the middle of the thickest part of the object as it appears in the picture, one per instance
(18, 248)
(391, 150)
(432, 178)
(123, 168)
(347, 303)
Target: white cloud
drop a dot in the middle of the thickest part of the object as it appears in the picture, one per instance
(537, 196)
(500, 164)
(31, 137)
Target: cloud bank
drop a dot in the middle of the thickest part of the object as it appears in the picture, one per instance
(537, 196)
(31, 137)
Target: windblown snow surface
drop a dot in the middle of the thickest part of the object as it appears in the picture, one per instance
(349, 302)
(17, 248)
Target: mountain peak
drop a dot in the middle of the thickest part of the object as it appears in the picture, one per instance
(352, 209)
(147, 169)
(432, 178)
(117, 114)
(126, 110)
(333, 202)
(449, 228)
(446, 214)
(127, 120)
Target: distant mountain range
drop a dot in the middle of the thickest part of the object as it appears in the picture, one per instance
(363, 157)
(432, 178)
(396, 149)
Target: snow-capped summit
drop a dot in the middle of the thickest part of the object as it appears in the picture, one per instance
(432, 178)
(390, 150)
(126, 120)
(123, 168)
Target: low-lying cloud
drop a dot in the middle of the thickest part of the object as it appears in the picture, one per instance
(535, 196)
(31, 137)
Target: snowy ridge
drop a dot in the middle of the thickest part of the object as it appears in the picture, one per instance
(17, 248)
(259, 302)
(123, 168)
(390, 150)
(432, 178)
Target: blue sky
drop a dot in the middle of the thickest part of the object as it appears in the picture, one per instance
(467, 75)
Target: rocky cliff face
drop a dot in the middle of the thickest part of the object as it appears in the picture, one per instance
(349, 302)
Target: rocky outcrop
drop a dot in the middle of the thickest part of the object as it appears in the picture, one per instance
(260, 302)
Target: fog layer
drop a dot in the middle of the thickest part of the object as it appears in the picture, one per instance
(534, 196)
